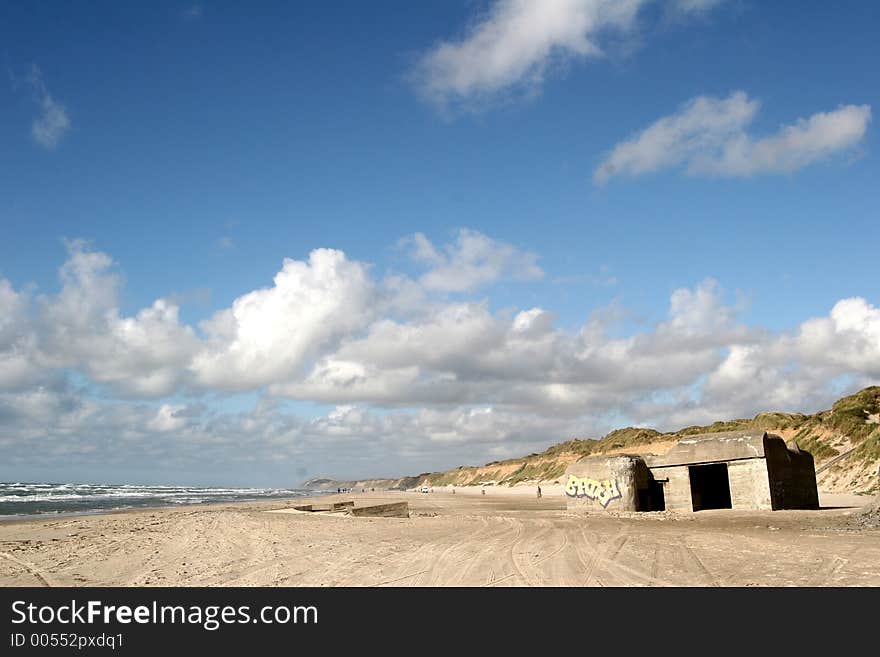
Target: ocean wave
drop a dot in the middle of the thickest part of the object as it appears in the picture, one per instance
(23, 498)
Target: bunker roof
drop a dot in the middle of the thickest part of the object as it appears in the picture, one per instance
(714, 447)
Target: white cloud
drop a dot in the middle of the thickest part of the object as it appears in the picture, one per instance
(847, 340)
(422, 383)
(793, 371)
(168, 418)
(513, 45)
(18, 343)
(472, 261)
(792, 147)
(461, 353)
(270, 334)
(328, 332)
(700, 311)
(701, 125)
(707, 136)
(81, 326)
(13, 314)
(50, 426)
(53, 122)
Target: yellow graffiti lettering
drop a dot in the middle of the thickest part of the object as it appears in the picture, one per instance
(604, 491)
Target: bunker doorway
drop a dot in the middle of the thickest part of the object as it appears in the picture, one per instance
(652, 498)
(710, 486)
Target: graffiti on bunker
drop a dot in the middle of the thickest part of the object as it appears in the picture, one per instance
(604, 491)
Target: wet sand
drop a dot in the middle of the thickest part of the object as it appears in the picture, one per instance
(506, 538)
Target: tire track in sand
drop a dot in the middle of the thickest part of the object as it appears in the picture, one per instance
(603, 558)
(532, 575)
(528, 570)
(492, 579)
(435, 564)
(597, 554)
(515, 548)
(31, 568)
(486, 549)
(689, 553)
(439, 562)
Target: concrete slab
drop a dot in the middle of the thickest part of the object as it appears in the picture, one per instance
(393, 510)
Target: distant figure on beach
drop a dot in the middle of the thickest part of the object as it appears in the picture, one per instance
(483, 491)
(453, 491)
(539, 492)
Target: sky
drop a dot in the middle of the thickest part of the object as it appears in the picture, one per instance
(245, 246)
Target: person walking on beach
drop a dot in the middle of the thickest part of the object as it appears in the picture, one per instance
(539, 492)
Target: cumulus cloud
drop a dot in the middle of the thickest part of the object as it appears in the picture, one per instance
(427, 382)
(514, 43)
(708, 136)
(799, 370)
(847, 340)
(18, 343)
(268, 335)
(143, 355)
(473, 260)
(53, 122)
(325, 332)
(461, 353)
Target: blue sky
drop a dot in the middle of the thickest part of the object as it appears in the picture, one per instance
(198, 146)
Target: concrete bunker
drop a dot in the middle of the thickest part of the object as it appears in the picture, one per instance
(727, 470)
(619, 482)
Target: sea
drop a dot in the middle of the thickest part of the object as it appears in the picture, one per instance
(28, 499)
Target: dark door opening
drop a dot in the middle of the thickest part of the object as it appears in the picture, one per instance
(653, 497)
(658, 496)
(710, 486)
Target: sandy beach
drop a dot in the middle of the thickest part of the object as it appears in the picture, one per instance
(507, 537)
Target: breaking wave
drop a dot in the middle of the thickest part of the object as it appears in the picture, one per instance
(20, 498)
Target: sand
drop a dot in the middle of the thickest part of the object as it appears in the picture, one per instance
(505, 538)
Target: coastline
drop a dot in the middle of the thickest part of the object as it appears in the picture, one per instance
(49, 516)
(518, 489)
(54, 500)
(505, 537)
